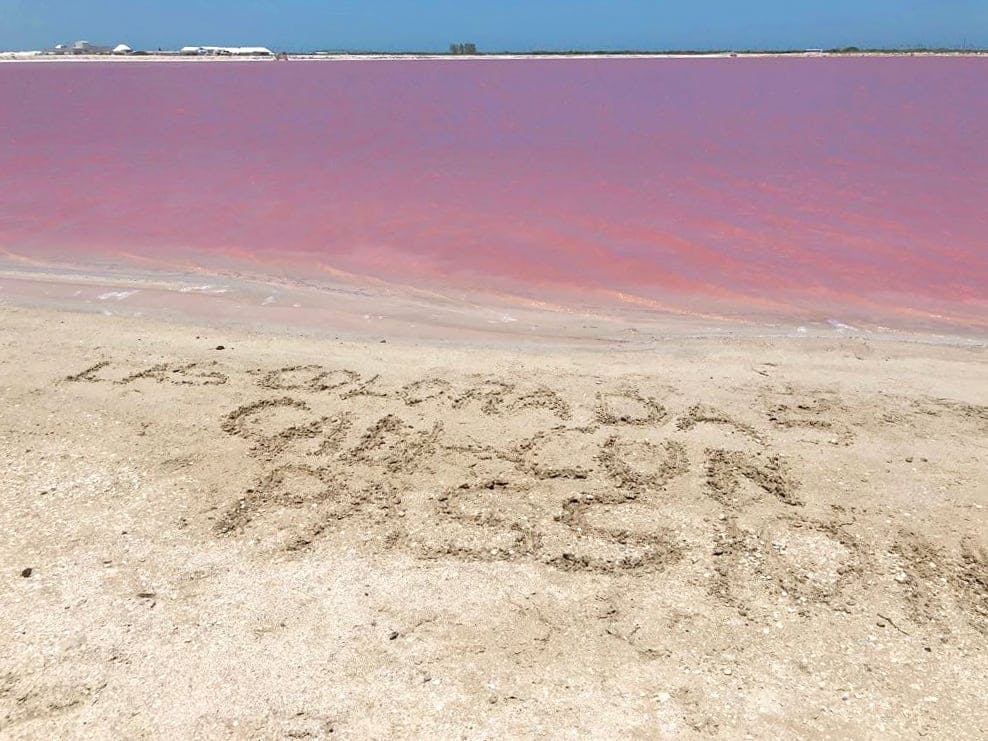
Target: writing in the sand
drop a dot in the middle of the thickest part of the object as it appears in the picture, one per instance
(592, 475)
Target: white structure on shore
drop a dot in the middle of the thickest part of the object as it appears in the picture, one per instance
(79, 48)
(227, 51)
(122, 49)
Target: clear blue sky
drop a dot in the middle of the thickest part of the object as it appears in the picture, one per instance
(496, 24)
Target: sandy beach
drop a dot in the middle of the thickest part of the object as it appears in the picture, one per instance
(221, 532)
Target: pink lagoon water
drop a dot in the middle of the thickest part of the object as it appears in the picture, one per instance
(848, 189)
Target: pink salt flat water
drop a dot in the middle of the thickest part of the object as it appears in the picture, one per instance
(851, 189)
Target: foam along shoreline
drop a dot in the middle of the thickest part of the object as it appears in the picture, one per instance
(373, 311)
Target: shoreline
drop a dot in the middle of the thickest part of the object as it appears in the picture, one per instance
(375, 309)
(151, 57)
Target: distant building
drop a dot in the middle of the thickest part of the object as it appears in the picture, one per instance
(122, 49)
(79, 47)
(85, 47)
